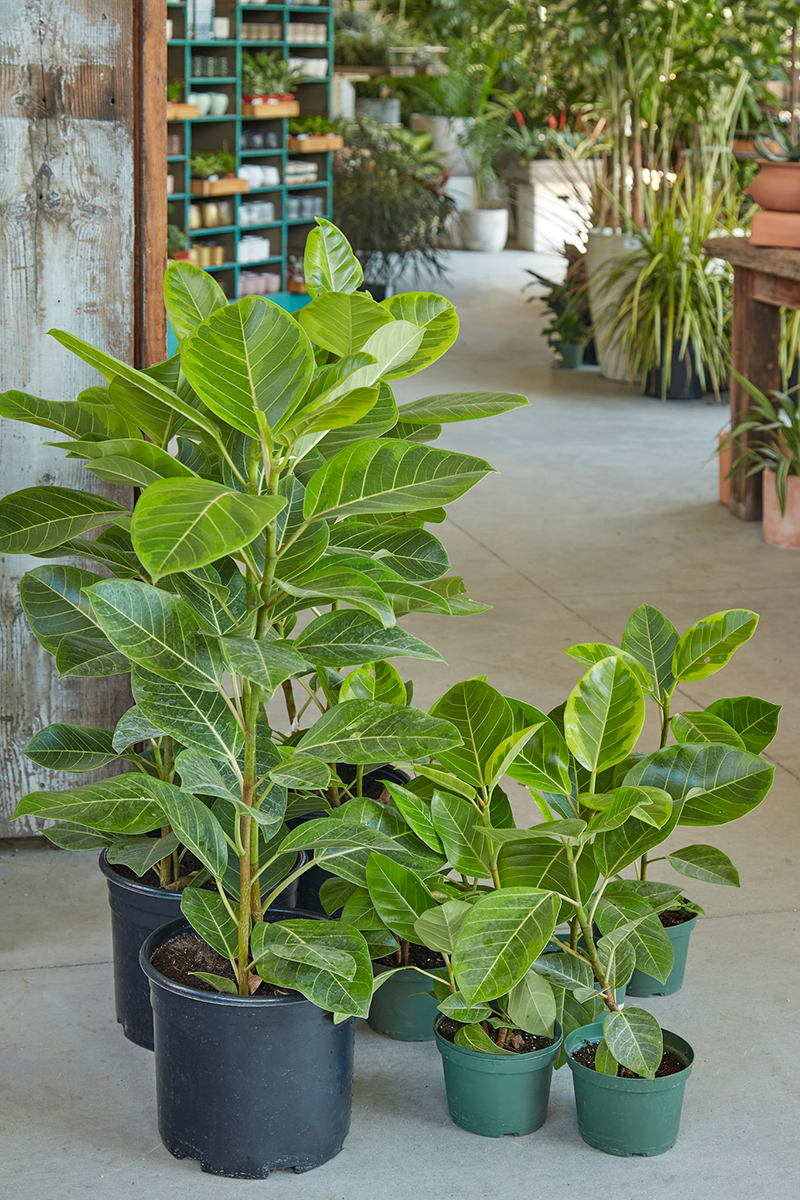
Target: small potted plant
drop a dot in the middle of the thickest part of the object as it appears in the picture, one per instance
(776, 187)
(568, 304)
(485, 227)
(177, 108)
(771, 436)
(268, 84)
(177, 243)
(213, 173)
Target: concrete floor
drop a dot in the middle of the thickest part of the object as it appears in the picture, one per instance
(604, 500)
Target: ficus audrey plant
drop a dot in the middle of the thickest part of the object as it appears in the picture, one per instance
(276, 476)
(493, 909)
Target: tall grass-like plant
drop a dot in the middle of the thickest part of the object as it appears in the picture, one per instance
(277, 477)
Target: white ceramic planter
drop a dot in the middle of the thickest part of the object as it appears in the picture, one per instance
(604, 251)
(484, 229)
(444, 134)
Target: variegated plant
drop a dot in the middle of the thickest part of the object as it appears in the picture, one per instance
(277, 477)
(607, 806)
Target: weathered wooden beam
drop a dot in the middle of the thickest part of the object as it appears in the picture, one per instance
(69, 194)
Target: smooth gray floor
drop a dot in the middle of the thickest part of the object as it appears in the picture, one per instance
(603, 500)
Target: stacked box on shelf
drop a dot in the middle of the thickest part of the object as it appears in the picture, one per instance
(246, 239)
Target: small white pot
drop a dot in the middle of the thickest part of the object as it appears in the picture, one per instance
(604, 251)
(484, 229)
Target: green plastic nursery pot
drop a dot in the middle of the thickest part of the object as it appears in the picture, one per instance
(647, 985)
(497, 1094)
(628, 1116)
(571, 355)
(402, 1007)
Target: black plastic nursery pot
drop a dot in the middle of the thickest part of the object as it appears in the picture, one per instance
(641, 984)
(137, 910)
(684, 383)
(245, 1085)
(403, 1008)
(628, 1117)
(497, 1094)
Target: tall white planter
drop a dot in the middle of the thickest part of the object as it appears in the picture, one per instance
(484, 229)
(604, 251)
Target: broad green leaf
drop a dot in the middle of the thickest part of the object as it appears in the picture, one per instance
(157, 631)
(503, 756)
(414, 554)
(460, 406)
(755, 721)
(475, 1037)
(651, 805)
(544, 761)
(143, 853)
(725, 783)
(77, 837)
(191, 716)
(618, 848)
(359, 911)
(589, 653)
(380, 681)
(455, 1006)
(41, 518)
(704, 727)
(564, 970)
(450, 783)
(198, 829)
(342, 322)
(117, 460)
(345, 638)
(390, 476)
(72, 417)
(334, 894)
(331, 581)
(308, 547)
(710, 643)
(417, 813)
(182, 524)
(648, 940)
(604, 1060)
(321, 986)
(219, 982)
(500, 938)
(190, 295)
(89, 656)
(399, 896)
(330, 265)
(634, 1038)
(390, 347)
(364, 731)
(652, 639)
(380, 418)
(617, 955)
(121, 563)
(206, 776)
(267, 663)
(133, 726)
(302, 772)
(483, 718)
(604, 715)
(532, 1005)
(217, 594)
(303, 942)
(313, 422)
(435, 315)
(706, 863)
(206, 913)
(458, 825)
(571, 830)
(62, 747)
(130, 803)
(438, 928)
(544, 865)
(248, 358)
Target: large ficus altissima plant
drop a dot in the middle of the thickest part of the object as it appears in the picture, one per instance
(493, 909)
(277, 478)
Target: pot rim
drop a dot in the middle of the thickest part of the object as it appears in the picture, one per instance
(164, 932)
(136, 885)
(533, 1060)
(594, 1033)
(776, 162)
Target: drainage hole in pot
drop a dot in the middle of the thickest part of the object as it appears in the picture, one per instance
(187, 952)
(670, 1063)
(519, 1042)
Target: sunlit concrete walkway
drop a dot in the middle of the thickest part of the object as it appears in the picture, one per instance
(602, 500)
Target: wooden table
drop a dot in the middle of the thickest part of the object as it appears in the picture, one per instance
(764, 281)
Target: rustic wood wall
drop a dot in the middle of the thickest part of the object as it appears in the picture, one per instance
(73, 179)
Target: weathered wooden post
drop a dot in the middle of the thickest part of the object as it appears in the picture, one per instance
(82, 248)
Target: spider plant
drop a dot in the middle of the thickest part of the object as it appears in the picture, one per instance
(773, 424)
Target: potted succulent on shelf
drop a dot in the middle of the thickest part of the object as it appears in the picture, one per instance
(213, 173)
(246, 461)
(770, 435)
(606, 807)
(268, 84)
(177, 243)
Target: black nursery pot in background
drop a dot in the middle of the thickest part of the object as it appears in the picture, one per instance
(684, 382)
(137, 910)
(245, 1085)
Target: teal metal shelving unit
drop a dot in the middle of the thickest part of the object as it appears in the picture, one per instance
(287, 236)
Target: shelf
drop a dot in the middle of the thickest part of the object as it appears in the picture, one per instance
(229, 266)
(262, 262)
(243, 153)
(226, 117)
(213, 79)
(216, 229)
(177, 157)
(297, 187)
(260, 190)
(245, 226)
(202, 42)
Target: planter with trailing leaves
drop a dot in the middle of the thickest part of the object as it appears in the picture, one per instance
(642, 984)
(137, 910)
(298, 1064)
(627, 1115)
(499, 1093)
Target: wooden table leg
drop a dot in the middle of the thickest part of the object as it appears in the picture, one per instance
(755, 354)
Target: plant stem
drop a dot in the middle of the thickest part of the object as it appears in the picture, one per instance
(664, 735)
(291, 707)
(586, 930)
(360, 780)
(502, 1037)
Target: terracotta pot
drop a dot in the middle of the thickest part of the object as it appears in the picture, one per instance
(776, 186)
(724, 459)
(782, 531)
